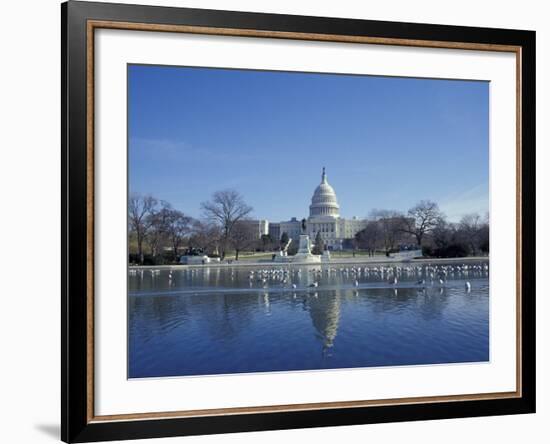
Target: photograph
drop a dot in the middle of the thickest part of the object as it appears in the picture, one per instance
(284, 221)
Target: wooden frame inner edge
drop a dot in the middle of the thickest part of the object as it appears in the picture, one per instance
(94, 24)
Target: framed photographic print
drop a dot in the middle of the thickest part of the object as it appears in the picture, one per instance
(275, 221)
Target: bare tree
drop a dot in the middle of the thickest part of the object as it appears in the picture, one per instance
(178, 227)
(226, 208)
(139, 210)
(243, 236)
(205, 236)
(369, 237)
(390, 224)
(266, 242)
(158, 221)
(484, 235)
(471, 226)
(443, 234)
(421, 219)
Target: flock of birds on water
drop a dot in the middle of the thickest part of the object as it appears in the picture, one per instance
(427, 275)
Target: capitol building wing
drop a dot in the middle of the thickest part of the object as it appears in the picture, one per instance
(324, 217)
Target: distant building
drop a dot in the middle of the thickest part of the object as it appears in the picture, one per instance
(260, 226)
(274, 230)
(324, 217)
(292, 227)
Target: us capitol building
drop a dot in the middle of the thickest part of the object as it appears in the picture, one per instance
(324, 217)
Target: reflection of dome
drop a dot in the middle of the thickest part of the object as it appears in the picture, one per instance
(323, 202)
(325, 314)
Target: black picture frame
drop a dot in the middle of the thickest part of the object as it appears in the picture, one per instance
(76, 424)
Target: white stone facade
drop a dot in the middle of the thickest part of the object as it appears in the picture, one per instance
(324, 217)
(291, 227)
(324, 202)
(260, 227)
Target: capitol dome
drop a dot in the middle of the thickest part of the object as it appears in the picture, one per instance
(324, 202)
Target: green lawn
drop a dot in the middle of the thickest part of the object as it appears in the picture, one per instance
(348, 253)
(256, 256)
(248, 256)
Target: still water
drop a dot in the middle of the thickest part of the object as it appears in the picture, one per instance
(203, 321)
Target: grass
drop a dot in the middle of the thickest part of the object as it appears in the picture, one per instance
(348, 253)
(255, 256)
(248, 256)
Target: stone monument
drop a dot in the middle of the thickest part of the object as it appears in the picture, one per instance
(304, 249)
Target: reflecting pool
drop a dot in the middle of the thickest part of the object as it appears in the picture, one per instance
(220, 320)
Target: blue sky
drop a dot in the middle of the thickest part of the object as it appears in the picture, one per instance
(386, 142)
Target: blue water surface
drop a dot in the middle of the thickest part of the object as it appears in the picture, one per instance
(204, 321)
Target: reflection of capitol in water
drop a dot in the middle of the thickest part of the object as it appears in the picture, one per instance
(325, 315)
(222, 320)
(324, 311)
